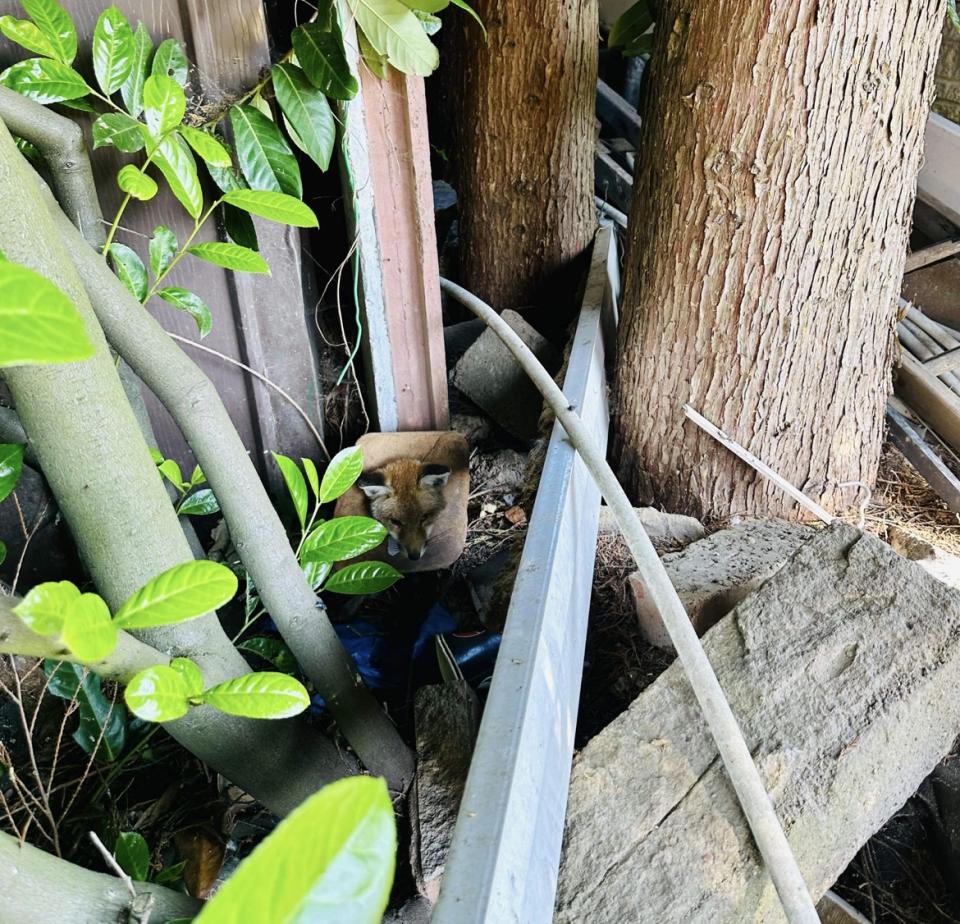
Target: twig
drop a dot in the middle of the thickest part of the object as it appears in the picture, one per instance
(112, 863)
(720, 719)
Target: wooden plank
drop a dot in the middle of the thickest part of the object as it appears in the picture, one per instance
(938, 184)
(932, 254)
(945, 362)
(617, 115)
(506, 847)
(930, 398)
(392, 216)
(611, 182)
(905, 436)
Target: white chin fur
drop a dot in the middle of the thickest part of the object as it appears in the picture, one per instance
(393, 547)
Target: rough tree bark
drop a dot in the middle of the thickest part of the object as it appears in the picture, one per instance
(521, 107)
(772, 201)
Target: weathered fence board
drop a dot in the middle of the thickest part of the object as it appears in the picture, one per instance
(937, 183)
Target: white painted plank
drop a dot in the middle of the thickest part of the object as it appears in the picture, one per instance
(503, 862)
(938, 184)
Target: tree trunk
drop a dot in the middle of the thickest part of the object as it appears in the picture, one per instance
(521, 114)
(772, 201)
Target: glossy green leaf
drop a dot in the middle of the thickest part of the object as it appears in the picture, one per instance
(179, 169)
(632, 24)
(136, 184)
(88, 631)
(28, 35)
(313, 478)
(164, 104)
(192, 304)
(261, 695)
(272, 650)
(171, 61)
(377, 62)
(155, 454)
(344, 469)
(230, 256)
(197, 477)
(330, 861)
(3, 552)
(296, 486)
(226, 178)
(113, 49)
(199, 504)
(45, 608)
(102, 720)
(158, 694)
(11, 466)
(130, 270)
(55, 23)
(206, 146)
(81, 104)
(394, 31)
(316, 572)
(29, 150)
(308, 112)
(463, 5)
(38, 323)
(321, 54)
(171, 471)
(426, 6)
(132, 855)
(168, 875)
(132, 89)
(343, 538)
(182, 592)
(365, 577)
(239, 227)
(191, 674)
(264, 155)
(118, 129)
(163, 248)
(44, 80)
(273, 205)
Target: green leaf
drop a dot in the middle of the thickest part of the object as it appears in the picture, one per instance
(230, 256)
(28, 35)
(101, 719)
(88, 631)
(239, 227)
(316, 572)
(55, 23)
(330, 861)
(171, 471)
(44, 610)
(272, 650)
(130, 269)
(365, 577)
(171, 61)
(261, 695)
(113, 49)
(3, 552)
(631, 26)
(394, 31)
(199, 504)
(38, 323)
(29, 150)
(265, 157)
(377, 62)
(206, 146)
(321, 54)
(118, 129)
(158, 694)
(463, 5)
(953, 15)
(426, 6)
(273, 205)
(192, 304)
(132, 89)
(155, 454)
(191, 674)
(137, 184)
(11, 465)
(344, 469)
(132, 855)
(44, 80)
(197, 477)
(182, 592)
(307, 111)
(163, 248)
(342, 538)
(295, 485)
(81, 104)
(168, 875)
(164, 104)
(179, 169)
(312, 477)
(429, 23)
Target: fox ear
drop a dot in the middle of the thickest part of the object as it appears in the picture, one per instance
(374, 485)
(434, 476)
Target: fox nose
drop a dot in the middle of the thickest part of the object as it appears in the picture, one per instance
(415, 554)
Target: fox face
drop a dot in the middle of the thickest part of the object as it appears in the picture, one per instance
(406, 497)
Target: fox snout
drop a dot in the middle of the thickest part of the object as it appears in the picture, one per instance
(406, 497)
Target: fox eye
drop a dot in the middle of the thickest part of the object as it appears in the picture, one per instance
(395, 522)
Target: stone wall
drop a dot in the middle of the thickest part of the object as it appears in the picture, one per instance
(948, 75)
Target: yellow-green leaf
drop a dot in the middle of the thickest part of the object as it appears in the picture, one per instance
(230, 256)
(44, 80)
(55, 23)
(45, 608)
(158, 694)
(261, 695)
(394, 31)
(88, 631)
(206, 146)
(192, 677)
(288, 210)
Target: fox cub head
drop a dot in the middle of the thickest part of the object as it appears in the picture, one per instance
(406, 496)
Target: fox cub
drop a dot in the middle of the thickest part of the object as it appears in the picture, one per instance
(406, 497)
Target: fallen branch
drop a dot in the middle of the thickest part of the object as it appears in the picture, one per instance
(743, 774)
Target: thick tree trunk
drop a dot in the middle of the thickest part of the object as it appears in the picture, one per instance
(772, 202)
(521, 108)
